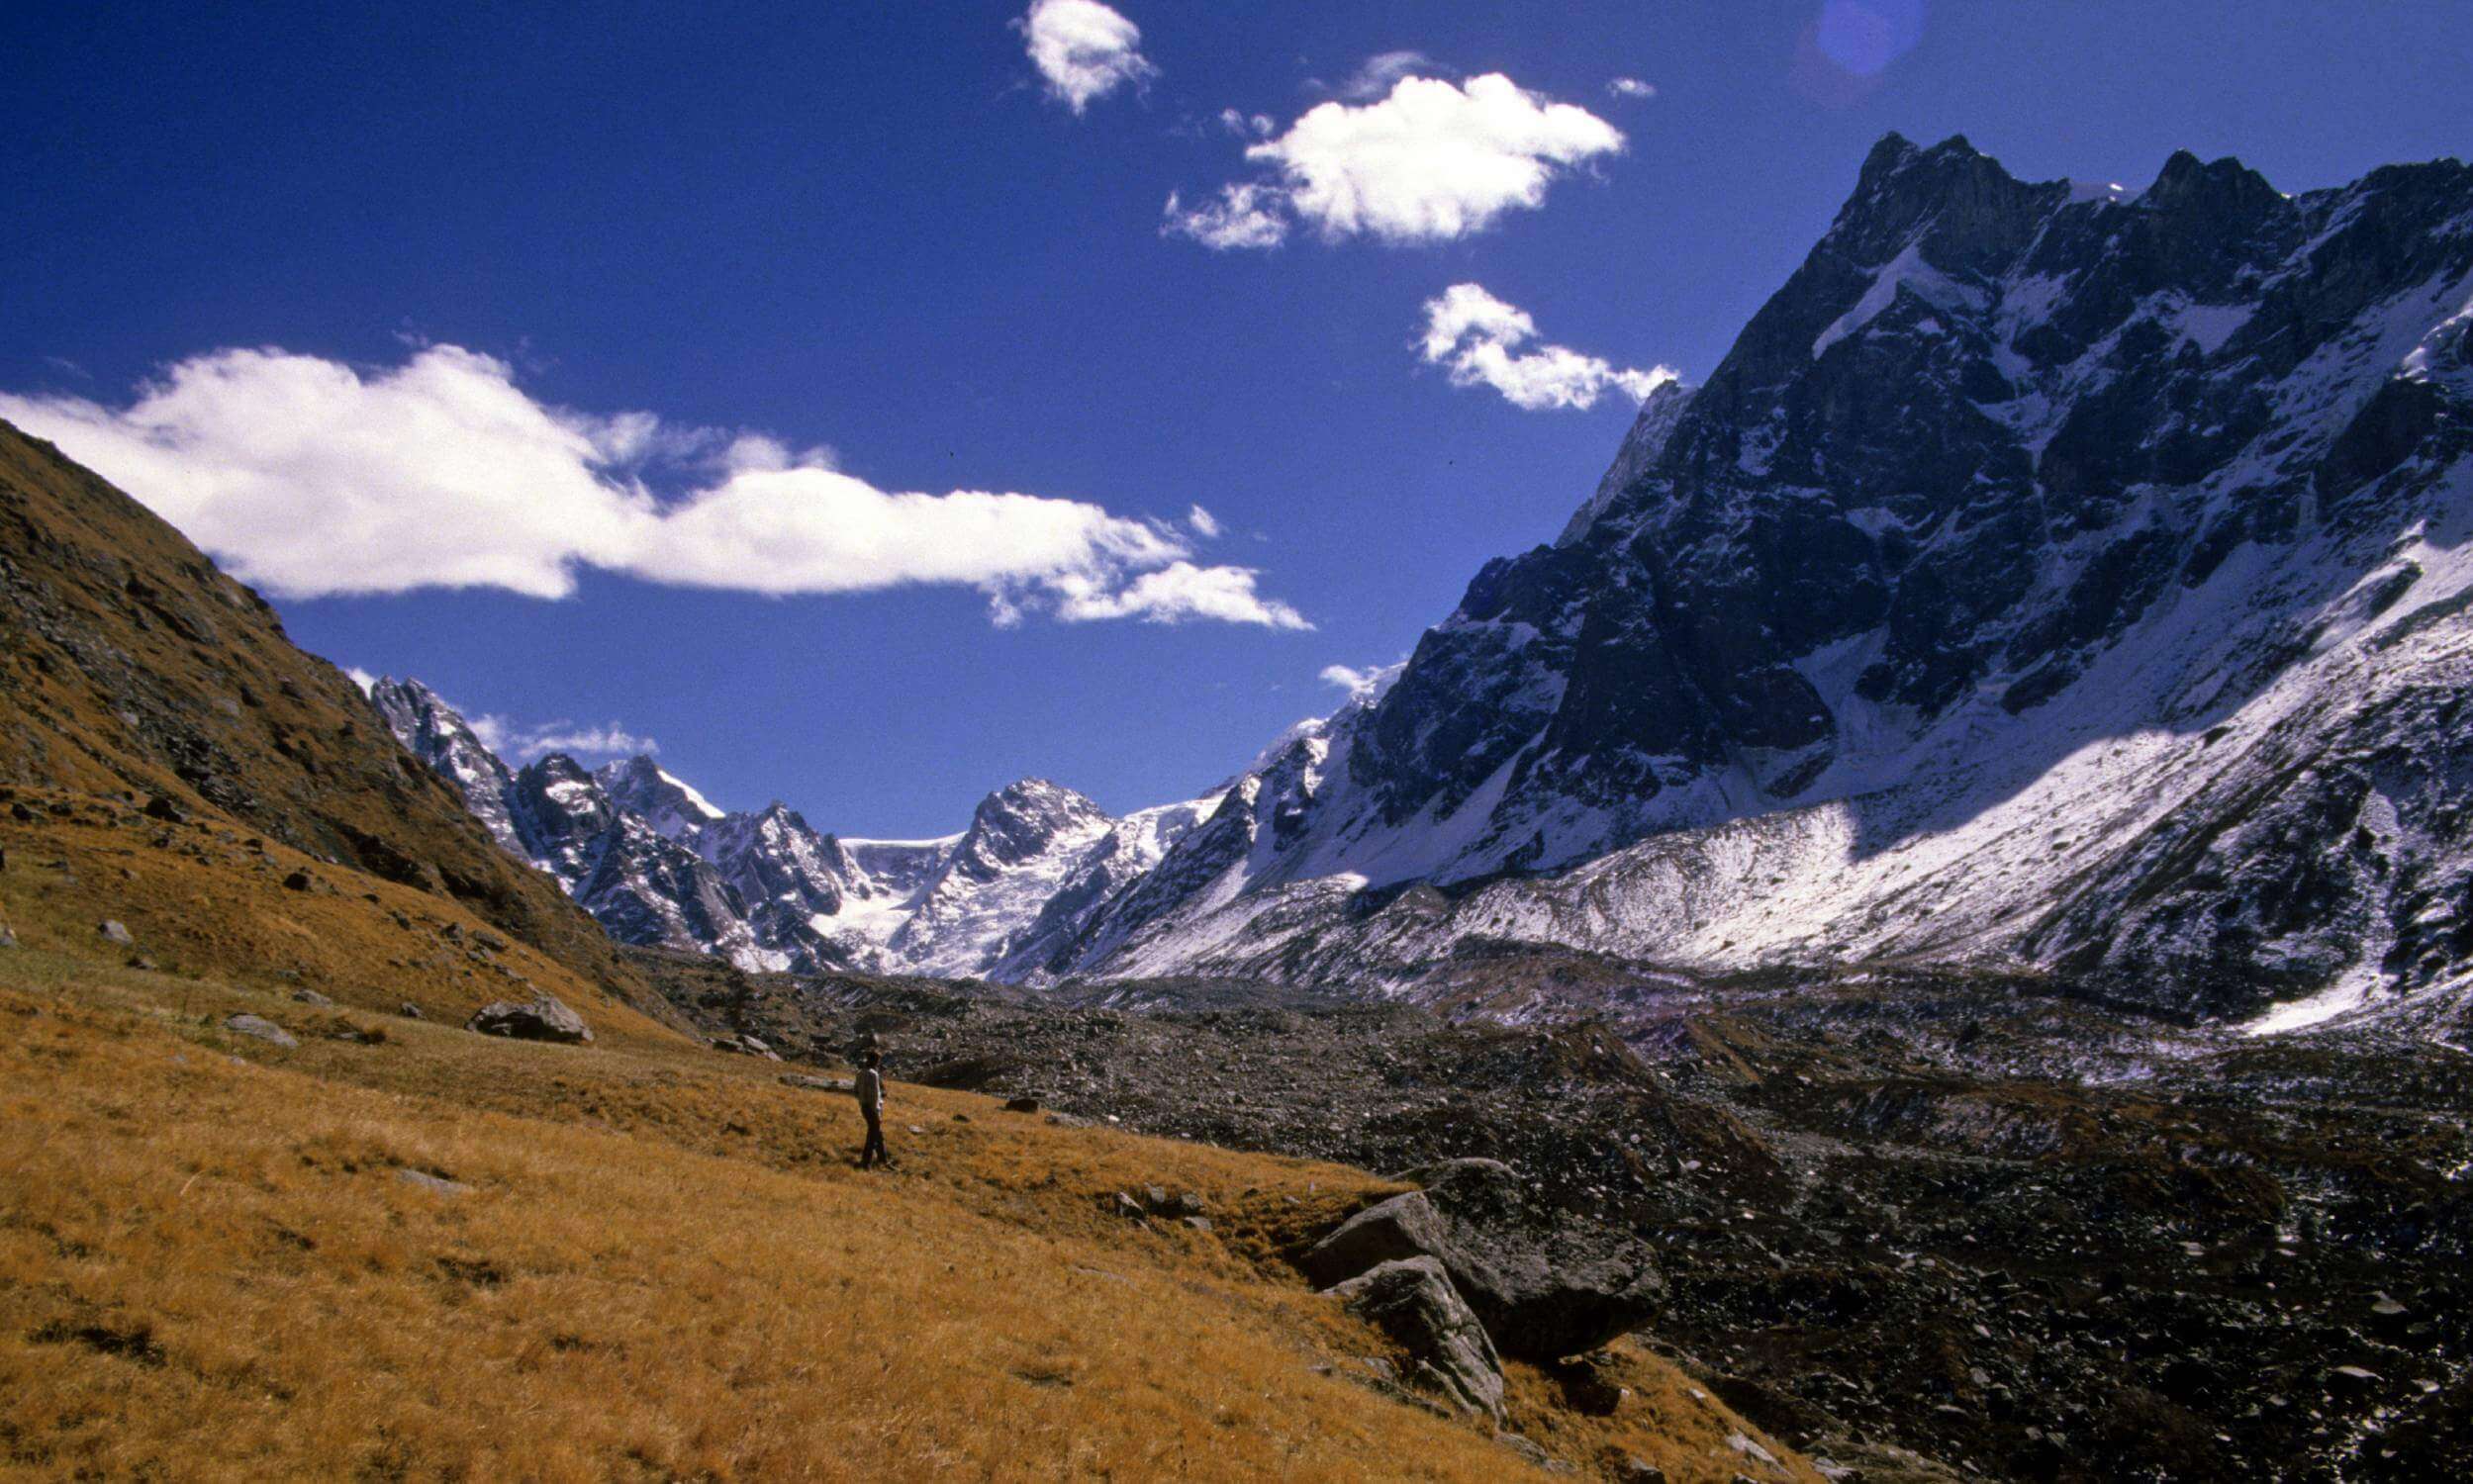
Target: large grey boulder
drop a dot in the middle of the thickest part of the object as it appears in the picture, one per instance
(1546, 1283)
(1449, 1354)
(544, 1018)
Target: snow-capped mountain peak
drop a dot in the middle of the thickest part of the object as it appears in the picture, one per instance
(658, 864)
(640, 787)
(2028, 541)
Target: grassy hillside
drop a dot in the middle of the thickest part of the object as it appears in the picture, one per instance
(206, 896)
(214, 1263)
(128, 663)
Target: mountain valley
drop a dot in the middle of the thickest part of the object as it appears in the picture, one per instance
(1938, 913)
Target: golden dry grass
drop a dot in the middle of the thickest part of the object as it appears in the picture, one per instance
(207, 898)
(212, 1265)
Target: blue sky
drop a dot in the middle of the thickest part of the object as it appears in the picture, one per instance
(875, 240)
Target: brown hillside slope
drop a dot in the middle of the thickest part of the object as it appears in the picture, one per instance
(220, 1258)
(128, 663)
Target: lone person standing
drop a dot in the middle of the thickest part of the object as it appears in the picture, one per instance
(870, 1087)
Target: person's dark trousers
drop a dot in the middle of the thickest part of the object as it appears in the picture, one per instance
(873, 1152)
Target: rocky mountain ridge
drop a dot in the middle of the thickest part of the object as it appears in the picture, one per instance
(2048, 577)
(2051, 577)
(660, 866)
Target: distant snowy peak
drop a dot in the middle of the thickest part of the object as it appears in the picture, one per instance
(894, 869)
(658, 864)
(1023, 821)
(638, 786)
(561, 813)
(1026, 842)
(775, 862)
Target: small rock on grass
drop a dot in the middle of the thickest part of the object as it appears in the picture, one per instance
(1022, 1105)
(112, 930)
(410, 1012)
(314, 998)
(1535, 1457)
(436, 1184)
(263, 1029)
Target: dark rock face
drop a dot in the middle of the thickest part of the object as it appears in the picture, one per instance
(1545, 1284)
(777, 864)
(1867, 460)
(560, 812)
(1413, 1301)
(432, 731)
(543, 1018)
(648, 889)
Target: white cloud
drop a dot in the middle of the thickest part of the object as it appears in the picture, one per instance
(1245, 215)
(1478, 337)
(312, 478)
(1432, 161)
(520, 743)
(1376, 74)
(1631, 87)
(1084, 50)
(1175, 592)
(1246, 126)
(1363, 686)
(611, 741)
(1204, 523)
(496, 733)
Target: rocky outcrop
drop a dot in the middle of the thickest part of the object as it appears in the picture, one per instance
(1413, 1301)
(1545, 1284)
